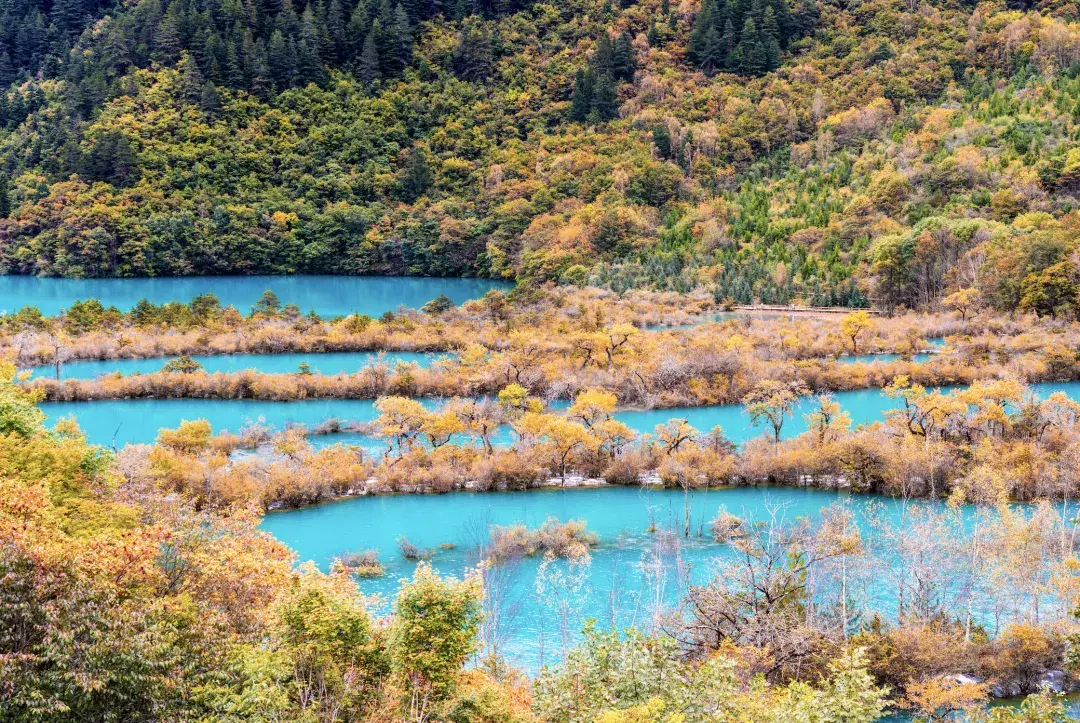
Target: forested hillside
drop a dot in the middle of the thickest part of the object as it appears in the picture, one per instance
(770, 150)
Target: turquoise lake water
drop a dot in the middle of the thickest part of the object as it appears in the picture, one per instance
(134, 421)
(620, 586)
(327, 295)
(880, 358)
(632, 571)
(320, 363)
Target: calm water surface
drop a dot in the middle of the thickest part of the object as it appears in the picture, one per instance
(876, 358)
(628, 571)
(327, 295)
(632, 574)
(321, 363)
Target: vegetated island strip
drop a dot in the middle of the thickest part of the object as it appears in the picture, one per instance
(929, 445)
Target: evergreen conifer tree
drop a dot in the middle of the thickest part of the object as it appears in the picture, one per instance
(5, 198)
(582, 98)
(623, 61)
(605, 104)
(368, 67)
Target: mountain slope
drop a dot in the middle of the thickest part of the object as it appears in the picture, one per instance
(899, 151)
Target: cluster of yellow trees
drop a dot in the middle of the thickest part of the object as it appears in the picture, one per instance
(930, 445)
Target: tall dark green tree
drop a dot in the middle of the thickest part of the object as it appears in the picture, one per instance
(770, 40)
(623, 62)
(394, 42)
(473, 55)
(281, 60)
(417, 178)
(703, 21)
(603, 59)
(605, 104)
(368, 67)
(754, 55)
(582, 98)
(5, 197)
(191, 79)
(335, 28)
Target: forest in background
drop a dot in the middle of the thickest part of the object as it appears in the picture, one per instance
(817, 152)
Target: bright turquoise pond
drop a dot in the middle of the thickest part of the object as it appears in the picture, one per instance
(626, 575)
(320, 363)
(124, 421)
(880, 358)
(327, 295)
(631, 570)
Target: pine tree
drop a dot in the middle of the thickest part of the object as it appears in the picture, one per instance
(662, 140)
(215, 58)
(67, 16)
(784, 21)
(197, 46)
(309, 64)
(472, 56)
(736, 60)
(464, 8)
(754, 60)
(770, 39)
(191, 79)
(603, 60)
(368, 67)
(261, 87)
(394, 42)
(605, 102)
(695, 50)
(769, 28)
(403, 34)
(582, 98)
(211, 99)
(280, 60)
(623, 62)
(167, 43)
(7, 71)
(713, 55)
(418, 176)
(335, 27)
(234, 72)
(359, 28)
(727, 43)
(805, 19)
(5, 199)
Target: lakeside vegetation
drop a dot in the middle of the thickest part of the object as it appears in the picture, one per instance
(187, 612)
(554, 341)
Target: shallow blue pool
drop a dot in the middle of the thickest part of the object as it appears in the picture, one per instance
(327, 295)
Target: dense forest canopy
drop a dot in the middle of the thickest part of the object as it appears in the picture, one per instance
(779, 151)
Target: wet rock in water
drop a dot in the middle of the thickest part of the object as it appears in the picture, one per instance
(1055, 681)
